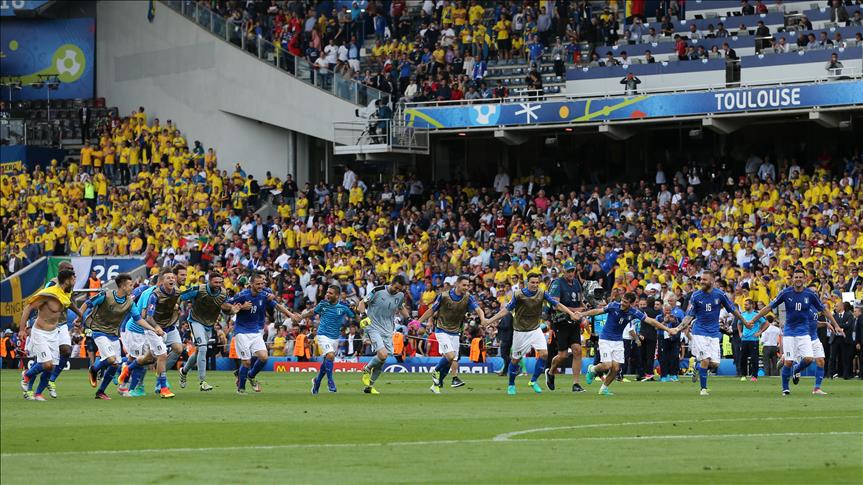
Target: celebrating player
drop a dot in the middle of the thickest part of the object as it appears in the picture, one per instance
(450, 308)
(704, 306)
(526, 307)
(50, 304)
(800, 304)
(382, 303)
(333, 314)
(253, 305)
(108, 313)
(64, 339)
(620, 314)
(208, 302)
(567, 332)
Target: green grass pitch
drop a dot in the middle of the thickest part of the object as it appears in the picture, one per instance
(647, 433)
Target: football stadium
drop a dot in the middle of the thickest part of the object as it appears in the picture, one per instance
(431, 241)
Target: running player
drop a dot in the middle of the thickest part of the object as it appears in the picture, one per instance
(800, 304)
(704, 307)
(526, 307)
(248, 339)
(63, 335)
(50, 304)
(108, 313)
(611, 353)
(172, 339)
(567, 332)
(208, 302)
(333, 314)
(127, 337)
(450, 308)
(382, 303)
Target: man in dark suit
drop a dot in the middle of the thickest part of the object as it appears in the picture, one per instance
(84, 115)
(855, 282)
(842, 347)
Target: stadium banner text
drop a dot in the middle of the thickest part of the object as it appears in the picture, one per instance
(34, 47)
(106, 268)
(8, 7)
(840, 93)
(17, 158)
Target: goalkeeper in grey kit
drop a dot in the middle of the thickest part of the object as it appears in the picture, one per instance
(381, 305)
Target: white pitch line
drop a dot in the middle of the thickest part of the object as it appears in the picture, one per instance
(421, 443)
(507, 436)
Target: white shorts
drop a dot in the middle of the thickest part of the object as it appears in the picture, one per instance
(817, 349)
(523, 342)
(448, 343)
(63, 335)
(136, 344)
(172, 337)
(155, 343)
(108, 347)
(327, 344)
(611, 351)
(44, 346)
(705, 348)
(248, 344)
(797, 348)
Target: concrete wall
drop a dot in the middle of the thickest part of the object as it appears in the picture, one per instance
(249, 111)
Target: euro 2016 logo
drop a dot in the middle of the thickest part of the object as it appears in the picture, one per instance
(69, 62)
(484, 114)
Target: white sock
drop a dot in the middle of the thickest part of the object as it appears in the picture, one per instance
(590, 368)
(603, 387)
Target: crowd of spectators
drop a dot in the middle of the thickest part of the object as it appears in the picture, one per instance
(751, 221)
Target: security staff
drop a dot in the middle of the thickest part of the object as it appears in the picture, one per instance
(567, 332)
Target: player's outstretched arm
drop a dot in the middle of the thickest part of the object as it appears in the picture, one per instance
(497, 316)
(761, 314)
(426, 316)
(589, 313)
(661, 326)
(687, 321)
(147, 325)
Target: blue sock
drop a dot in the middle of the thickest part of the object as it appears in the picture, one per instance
(59, 368)
(252, 362)
(101, 365)
(538, 367)
(786, 376)
(329, 369)
(161, 381)
(43, 381)
(137, 374)
(244, 373)
(702, 376)
(801, 366)
(257, 365)
(819, 376)
(513, 371)
(34, 371)
(443, 367)
(321, 372)
(106, 379)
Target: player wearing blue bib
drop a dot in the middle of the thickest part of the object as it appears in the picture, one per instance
(611, 352)
(800, 304)
(450, 309)
(333, 315)
(703, 314)
(248, 327)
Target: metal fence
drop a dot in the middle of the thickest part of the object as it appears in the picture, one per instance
(379, 135)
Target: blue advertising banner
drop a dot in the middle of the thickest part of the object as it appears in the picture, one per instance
(840, 93)
(62, 47)
(106, 267)
(15, 158)
(8, 7)
(15, 290)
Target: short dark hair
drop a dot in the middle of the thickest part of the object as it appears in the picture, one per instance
(799, 269)
(122, 278)
(398, 279)
(255, 276)
(533, 274)
(630, 297)
(462, 278)
(215, 274)
(64, 265)
(165, 271)
(709, 272)
(178, 267)
(64, 275)
(335, 287)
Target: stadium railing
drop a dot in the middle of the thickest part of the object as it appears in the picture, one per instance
(273, 54)
(378, 136)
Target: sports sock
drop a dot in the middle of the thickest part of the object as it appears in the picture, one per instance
(538, 367)
(173, 357)
(136, 375)
(252, 362)
(106, 379)
(702, 375)
(329, 369)
(513, 372)
(256, 367)
(786, 376)
(819, 376)
(374, 363)
(603, 387)
(162, 381)
(443, 366)
(60, 367)
(43, 381)
(244, 373)
(191, 362)
(801, 366)
(201, 357)
(33, 371)
(376, 373)
(100, 365)
(321, 372)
